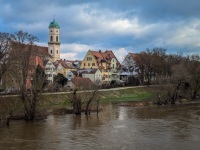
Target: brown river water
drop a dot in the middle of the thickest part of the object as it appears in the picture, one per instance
(116, 127)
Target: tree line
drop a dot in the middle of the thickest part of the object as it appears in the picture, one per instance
(177, 76)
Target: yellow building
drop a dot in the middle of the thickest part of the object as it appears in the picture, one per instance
(70, 65)
(106, 62)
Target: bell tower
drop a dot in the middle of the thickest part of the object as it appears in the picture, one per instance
(54, 40)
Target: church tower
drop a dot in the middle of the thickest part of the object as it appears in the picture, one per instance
(54, 40)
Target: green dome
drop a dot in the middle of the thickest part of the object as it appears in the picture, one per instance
(54, 24)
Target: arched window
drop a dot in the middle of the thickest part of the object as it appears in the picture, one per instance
(51, 51)
(51, 38)
(56, 38)
(57, 51)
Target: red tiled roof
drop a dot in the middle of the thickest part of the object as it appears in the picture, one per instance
(97, 54)
(104, 56)
(80, 82)
(68, 63)
(133, 55)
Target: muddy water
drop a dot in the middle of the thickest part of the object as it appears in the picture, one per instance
(117, 127)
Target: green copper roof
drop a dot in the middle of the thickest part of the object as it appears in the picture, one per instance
(54, 24)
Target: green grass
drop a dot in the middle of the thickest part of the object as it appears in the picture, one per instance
(126, 95)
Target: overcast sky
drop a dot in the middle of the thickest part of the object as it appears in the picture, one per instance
(119, 25)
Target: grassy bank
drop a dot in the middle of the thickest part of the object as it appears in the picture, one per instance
(126, 95)
(134, 94)
(115, 95)
(55, 101)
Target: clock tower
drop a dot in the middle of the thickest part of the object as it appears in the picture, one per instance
(54, 40)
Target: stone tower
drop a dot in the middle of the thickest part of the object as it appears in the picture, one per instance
(54, 40)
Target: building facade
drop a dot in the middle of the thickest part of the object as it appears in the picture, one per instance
(50, 70)
(128, 66)
(106, 62)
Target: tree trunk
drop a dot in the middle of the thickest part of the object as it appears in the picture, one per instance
(87, 110)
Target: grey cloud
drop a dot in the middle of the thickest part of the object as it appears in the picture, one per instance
(88, 22)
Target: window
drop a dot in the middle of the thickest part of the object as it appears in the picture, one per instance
(57, 51)
(84, 64)
(88, 64)
(51, 39)
(113, 66)
(89, 58)
(56, 38)
(93, 64)
(51, 51)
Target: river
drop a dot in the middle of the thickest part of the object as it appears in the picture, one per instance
(116, 127)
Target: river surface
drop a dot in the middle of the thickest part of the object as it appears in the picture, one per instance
(116, 127)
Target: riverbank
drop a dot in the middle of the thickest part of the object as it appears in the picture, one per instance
(126, 94)
(50, 102)
(59, 103)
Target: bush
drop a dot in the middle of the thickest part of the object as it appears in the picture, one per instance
(133, 81)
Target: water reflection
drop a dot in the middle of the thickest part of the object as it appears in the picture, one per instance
(116, 127)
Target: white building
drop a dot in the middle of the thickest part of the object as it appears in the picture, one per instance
(94, 75)
(50, 70)
(128, 67)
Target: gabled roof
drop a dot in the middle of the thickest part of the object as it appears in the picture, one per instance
(56, 64)
(106, 56)
(45, 62)
(75, 72)
(97, 54)
(70, 64)
(133, 55)
(80, 82)
(41, 51)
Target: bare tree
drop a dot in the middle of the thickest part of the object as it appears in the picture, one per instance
(192, 64)
(82, 100)
(8, 109)
(5, 42)
(30, 80)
